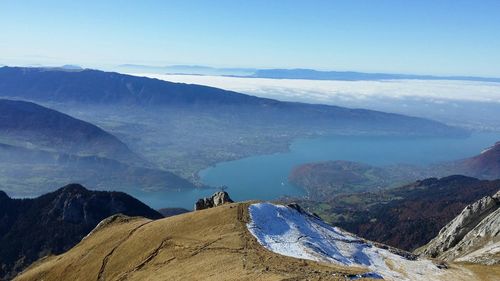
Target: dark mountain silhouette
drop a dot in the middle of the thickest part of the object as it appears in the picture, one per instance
(92, 87)
(55, 222)
(30, 125)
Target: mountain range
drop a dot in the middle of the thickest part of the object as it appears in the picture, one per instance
(312, 74)
(296, 73)
(183, 128)
(186, 69)
(97, 88)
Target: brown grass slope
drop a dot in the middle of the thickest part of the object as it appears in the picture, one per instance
(212, 244)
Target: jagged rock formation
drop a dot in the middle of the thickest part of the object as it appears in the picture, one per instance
(217, 199)
(55, 222)
(473, 236)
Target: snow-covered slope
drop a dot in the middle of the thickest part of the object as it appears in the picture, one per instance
(292, 232)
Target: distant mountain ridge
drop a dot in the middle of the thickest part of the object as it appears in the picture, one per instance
(186, 70)
(55, 222)
(294, 73)
(97, 87)
(312, 74)
(92, 87)
(183, 128)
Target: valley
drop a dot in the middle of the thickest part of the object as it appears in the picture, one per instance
(41, 148)
(249, 140)
(267, 176)
(178, 130)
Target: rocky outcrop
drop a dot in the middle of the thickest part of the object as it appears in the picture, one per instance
(473, 236)
(217, 199)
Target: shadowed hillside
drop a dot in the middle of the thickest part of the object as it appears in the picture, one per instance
(55, 222)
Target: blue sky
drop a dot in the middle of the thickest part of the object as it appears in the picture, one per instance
(429, 37)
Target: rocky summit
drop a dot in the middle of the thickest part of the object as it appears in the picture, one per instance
(217, 199)
(473, 236)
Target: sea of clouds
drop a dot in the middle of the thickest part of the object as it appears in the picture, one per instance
(470, 104)
(323, 91)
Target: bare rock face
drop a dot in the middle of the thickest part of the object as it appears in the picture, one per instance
(473, 236)
(217, 199)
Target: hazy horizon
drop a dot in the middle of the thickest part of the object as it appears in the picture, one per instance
(424, 37)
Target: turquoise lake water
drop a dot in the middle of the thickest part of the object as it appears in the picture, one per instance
(264, 177)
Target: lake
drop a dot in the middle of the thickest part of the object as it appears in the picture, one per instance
(264, 177)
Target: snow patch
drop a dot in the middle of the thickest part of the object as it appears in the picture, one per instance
(291, 232)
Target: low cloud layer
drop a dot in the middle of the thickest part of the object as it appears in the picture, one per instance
(468, 104)
(324, 91)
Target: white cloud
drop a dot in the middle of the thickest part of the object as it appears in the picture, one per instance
(324, 91)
